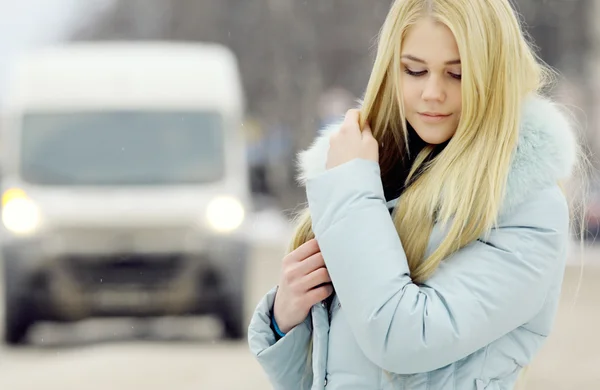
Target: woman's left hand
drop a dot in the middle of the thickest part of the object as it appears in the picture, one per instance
(350, 142)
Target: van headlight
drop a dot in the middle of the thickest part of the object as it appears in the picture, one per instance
(225, 214)
(20, 215)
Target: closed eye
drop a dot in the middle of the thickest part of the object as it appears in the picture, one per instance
(416, 74)
(423, 72)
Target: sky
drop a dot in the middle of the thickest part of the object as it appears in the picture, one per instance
(26, 24)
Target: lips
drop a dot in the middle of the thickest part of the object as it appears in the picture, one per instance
(434, 114)
(433, 117)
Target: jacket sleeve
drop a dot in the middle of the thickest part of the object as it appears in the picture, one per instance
(477, 295)
(285, 362)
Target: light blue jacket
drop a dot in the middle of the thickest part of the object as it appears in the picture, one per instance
(474, 324)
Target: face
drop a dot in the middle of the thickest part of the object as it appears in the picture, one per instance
(431, 81)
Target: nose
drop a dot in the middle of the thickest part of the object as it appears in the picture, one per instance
(434, 89)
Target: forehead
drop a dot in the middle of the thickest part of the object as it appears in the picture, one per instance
(430, 41)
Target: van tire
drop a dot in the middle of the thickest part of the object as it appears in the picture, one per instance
(18, 316)
(16, 326)
(232, 316)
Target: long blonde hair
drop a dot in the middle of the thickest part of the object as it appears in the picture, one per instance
(499, 69)
(464, 185)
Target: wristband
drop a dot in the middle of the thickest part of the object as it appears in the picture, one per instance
(277, 330)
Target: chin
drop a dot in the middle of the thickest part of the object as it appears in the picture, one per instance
(434, 136)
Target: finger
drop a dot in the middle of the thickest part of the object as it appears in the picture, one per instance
(318, 294)
(312, 263)
(367, 132)
(351, 121)
(315, 278)
(304, 251)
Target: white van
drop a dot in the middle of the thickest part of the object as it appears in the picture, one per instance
(124, 184)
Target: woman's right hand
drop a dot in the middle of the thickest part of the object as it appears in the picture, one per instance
(304, 282)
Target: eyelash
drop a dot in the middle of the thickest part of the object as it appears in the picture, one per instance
(419, 74)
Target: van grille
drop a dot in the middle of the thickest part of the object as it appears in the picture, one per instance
(146, 270)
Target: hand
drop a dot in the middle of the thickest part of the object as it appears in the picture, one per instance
(350, 142)
(301, 285)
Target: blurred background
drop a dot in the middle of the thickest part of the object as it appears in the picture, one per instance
(147, 172)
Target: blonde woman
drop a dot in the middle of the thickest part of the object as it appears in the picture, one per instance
(435, 213)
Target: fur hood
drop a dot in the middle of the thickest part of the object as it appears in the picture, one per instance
(546, 152)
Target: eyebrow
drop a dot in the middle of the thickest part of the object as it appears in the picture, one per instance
(413, 58)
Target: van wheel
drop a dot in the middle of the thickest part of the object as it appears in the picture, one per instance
(234, 328)
(232, 316)
(16, 326)
(18, 315)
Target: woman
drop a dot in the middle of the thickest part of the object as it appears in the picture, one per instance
(436, 213)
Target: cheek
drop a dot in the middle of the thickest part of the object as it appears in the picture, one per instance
(410, 92)
(457, 97)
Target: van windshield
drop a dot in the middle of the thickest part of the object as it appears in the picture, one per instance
(121, 148)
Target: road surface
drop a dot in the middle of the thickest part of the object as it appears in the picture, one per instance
(129, 355)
